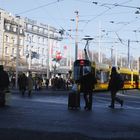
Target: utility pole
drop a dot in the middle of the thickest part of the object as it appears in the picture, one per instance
(128, 53)
(17, 51)
(99, 52)
(48, 54)
(116, 57)
(112, 62)
(30, 54)
(76, 37)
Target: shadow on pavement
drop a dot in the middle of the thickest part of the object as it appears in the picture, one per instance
(21, 134)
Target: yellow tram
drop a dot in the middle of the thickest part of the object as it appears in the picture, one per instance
(102, 73)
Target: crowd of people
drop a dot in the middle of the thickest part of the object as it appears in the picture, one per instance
(87, 83)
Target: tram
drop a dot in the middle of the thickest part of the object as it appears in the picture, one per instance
(102, 73)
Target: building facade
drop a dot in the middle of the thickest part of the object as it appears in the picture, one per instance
(29, 42)
(12, 38)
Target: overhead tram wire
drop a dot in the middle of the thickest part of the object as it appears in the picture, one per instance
(83, 1)
(48, 4)
(104, 12)
(41, 6)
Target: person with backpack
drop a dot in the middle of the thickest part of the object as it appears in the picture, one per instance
(115, 84)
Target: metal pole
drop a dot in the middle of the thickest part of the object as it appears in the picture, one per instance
(112, 56)
(30, 54)
(76, 38)
(17, 52)
(116, 57)
(128, 53)
(48, 56)
(99, 53)
(70, 53)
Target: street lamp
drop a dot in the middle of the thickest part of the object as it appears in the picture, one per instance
(76, 38)
(30, 53)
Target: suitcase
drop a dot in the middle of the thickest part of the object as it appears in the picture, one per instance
(73, 100)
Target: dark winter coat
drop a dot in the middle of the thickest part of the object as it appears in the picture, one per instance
(113, 85)
(22, 81)
(4, 80)
(87, 83)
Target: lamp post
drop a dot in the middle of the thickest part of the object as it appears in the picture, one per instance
(48, 54)
(30, 54)
(17, 51)
(70, 48)
(76, 38)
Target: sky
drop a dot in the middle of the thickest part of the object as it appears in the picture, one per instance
(111, 23)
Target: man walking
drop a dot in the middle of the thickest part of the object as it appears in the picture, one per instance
(113, 87)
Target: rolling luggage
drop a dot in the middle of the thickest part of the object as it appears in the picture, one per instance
(73, 100)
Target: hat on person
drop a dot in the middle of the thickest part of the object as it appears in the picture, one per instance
(114, 69)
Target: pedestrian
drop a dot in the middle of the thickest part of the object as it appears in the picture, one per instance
(87, 84)
(4, 84)
(47, 83)
(22, 82)
(113, 87)
(30, 84)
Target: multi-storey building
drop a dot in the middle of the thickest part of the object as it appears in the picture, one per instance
(30, 42)
(12, 37)
(39, 43)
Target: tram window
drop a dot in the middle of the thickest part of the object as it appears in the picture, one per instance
(98, 75)
(79, 67)
(80, 71)
(105, 76)
(135, 77)
(102, 76)
(127, 77)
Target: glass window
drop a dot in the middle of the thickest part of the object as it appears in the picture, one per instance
(13, 51)
(7, 38)
(6, 50)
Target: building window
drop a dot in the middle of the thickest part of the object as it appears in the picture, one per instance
(42, 51)
(14, 29)
(20, 41)
(7, 38)
(45, 31)
(29, 27)
(7, 26)
(6, 50)
(21, 31)
(38, 39)
(33, 38)
(35, 28)
(40, 30)
(13, 50)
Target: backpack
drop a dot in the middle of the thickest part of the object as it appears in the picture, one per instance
(119, 82)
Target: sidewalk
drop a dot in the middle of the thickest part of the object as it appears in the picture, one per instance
(29, 119)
